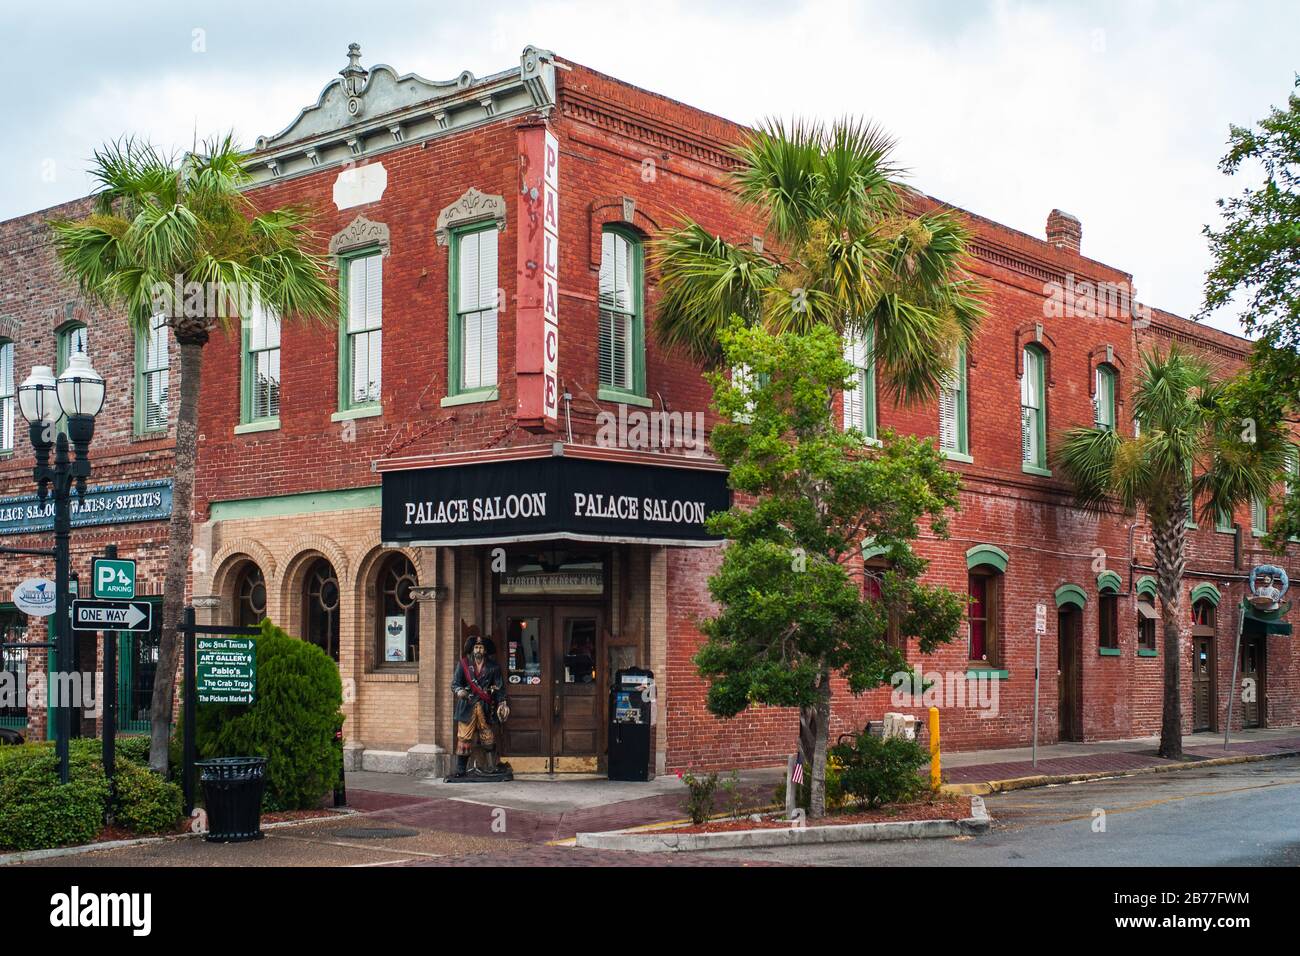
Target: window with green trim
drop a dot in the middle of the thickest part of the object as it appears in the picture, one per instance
(260, 375)
(983, 615)
(1146, 621)
(621, 347)
(1222, 520)
(860, 402)
(1033, 410)
(1259, 516)
(1191, 497)
(474, 309)
(1103, 399)
(361, 355)
(72, 338)
(953, 434)
(7, 403)
(1108, 619)
(151, 376)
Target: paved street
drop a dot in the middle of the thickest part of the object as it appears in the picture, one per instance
(1238, 815)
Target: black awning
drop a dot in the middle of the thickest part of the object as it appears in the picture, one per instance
(537, 499)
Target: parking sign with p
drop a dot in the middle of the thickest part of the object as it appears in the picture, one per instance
(113, 578)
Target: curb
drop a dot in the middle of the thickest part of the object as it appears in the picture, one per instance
(1045, 780)
(659, 841)
(33, 856)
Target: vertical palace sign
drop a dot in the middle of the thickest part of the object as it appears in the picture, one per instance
(537, 318)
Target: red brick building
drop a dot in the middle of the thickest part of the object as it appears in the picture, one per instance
(43, 320)
(437, 461)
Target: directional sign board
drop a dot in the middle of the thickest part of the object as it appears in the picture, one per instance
(225, 670)
(113, 579)
(126, 616)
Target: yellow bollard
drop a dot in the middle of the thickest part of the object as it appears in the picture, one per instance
(934, 748)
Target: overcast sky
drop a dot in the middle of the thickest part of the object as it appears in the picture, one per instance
(1117, 112)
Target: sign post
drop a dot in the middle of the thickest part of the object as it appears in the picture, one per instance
(1040, 628)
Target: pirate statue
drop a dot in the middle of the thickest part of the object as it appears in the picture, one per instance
(480, 706)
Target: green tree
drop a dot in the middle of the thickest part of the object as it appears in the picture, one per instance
(1256, 265)
(842, 248)
(1190, 425)
(792, 611)
(159, 221)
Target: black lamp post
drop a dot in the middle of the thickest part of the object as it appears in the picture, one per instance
(77, 394)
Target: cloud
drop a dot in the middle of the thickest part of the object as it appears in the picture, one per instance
(1116, 112)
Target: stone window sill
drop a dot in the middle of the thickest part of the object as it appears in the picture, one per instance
(1108, 651)
(365, 411)
(268, 425)
(471, 398)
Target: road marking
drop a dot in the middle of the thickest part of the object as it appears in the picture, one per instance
(1147, 804)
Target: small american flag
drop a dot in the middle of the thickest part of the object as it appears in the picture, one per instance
(797, 776)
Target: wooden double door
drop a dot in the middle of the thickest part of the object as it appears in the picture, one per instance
(552, 662)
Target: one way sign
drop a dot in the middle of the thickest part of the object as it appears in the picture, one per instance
(134, 616)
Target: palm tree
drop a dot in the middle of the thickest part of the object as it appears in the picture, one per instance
(1196, 442)
(160, 223)
(841, 248)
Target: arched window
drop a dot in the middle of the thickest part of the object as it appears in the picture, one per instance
(397, 614)
(1103, 399)
(6, 396)
(1204, 614)
(321, 607)
(984, 614)
(1108, 618)
(1033, 411)
(622, 324)
(250, 596)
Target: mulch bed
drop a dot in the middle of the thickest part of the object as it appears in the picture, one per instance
(944, 807)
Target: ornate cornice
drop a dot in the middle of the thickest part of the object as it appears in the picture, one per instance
(472, 206)
(361, 232)
(364, 112)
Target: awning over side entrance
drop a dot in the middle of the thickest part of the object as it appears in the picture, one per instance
(565, 495)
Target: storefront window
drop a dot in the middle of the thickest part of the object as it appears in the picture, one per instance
(321, 614)
(398, 617)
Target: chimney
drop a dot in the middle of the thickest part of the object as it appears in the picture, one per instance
(1064, 231)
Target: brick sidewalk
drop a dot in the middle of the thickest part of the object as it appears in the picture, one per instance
(1112, 761)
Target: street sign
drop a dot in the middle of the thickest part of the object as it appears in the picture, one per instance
(1040, 619)
(126, 616)
(225, 670)
(113, 579)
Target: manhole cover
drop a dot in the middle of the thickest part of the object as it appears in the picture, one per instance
(376, 833)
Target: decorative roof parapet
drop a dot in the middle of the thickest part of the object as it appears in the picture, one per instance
(365, 112)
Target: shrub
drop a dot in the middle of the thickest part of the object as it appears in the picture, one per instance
(135, 748)
(880, 770)
(699, 795)
(146, 803)
(292, 722)
(38, 812)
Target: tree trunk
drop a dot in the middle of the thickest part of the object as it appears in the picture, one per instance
(1170, 537)
(817, 793)
(180, 538)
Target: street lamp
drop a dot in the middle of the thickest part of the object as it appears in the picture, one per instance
(77, 394)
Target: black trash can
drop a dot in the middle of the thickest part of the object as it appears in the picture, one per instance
(232, 793)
